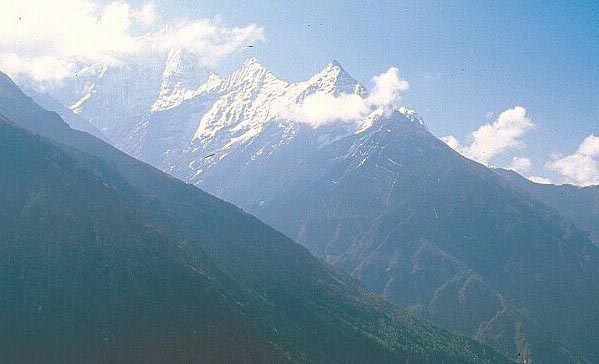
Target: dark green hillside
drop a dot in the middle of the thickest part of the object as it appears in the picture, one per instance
(85, 279)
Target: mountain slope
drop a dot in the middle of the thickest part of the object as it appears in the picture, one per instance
(432, 231)
(393, 206)
(73, 120)
(292, 307)
(424, 228)
(86, 279)
(579, 204)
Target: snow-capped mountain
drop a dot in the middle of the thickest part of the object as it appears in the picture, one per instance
(228, 116)
(173, 113)
(94, 271)
(117, 98)
(379, 197)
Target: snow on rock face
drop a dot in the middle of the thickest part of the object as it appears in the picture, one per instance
(118, 98)
(182, 74)
(241, 122)
(245, 102)
(252, 96)
(335, 80)
(411, 115)
(172, 114)
(223, 116)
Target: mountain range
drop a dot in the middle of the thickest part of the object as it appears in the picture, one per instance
(108, 260)
(380, 197)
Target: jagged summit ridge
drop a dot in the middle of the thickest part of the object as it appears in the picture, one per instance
(252, 96)
(128, 96)
(172, 113)
(245, 118)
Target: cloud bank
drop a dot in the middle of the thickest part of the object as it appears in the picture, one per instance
(493, 139)
(50, 40)
(520, 164)
(540, 180)
(581, 167)
(503, 135)
(322, 108)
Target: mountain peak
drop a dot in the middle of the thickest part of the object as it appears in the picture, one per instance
(334, 64)
(182, 74)
(251, 71)
(252, 62)
(334, 78)
(182, 68)
(333, 67)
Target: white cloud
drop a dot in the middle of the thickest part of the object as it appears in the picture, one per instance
(453, 143)
(205, 38)
(520, 164)
(523, 165)
(147, 14)
(48, 40)
(581, 167)
(387, 87)
(540, 180)
(492, 139)
(40, 68)
(321, 108)
(589, 146)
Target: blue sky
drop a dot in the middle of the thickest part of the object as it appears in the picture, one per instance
(466, 62)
